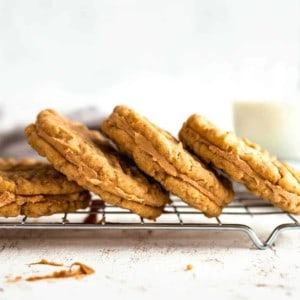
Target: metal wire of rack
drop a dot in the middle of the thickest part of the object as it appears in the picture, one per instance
(244, 214)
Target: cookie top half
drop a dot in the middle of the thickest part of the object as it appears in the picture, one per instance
(161, 156)
(243, 161)
(31, 177)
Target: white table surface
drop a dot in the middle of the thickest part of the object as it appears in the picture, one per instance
(148, 265)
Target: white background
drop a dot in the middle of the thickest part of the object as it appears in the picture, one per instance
(166, 59)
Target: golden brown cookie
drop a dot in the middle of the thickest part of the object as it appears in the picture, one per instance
(32, 188)
(161, 156)
(88, 158)
(31, 177)
(243, 161)
(12, 205)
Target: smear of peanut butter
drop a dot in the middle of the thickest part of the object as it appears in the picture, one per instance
(76, 270)
(46, 262)
(95, 207)
(14, 280)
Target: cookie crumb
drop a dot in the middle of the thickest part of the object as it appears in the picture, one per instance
(188, 267)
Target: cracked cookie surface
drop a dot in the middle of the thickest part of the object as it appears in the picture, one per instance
(161, 156)
(31, 177)
(245, 162)
(88, 158)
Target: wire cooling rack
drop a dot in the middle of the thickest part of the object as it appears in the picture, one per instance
(257, 218)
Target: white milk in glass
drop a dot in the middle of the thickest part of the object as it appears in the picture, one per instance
(273, 125)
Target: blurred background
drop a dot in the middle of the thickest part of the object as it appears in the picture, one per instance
(164, 58)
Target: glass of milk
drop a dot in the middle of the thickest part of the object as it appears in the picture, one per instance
(275, 126)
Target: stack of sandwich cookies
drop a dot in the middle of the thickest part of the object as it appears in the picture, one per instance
(35, 189)
(88, 158)
(161, 156)
(245, 162)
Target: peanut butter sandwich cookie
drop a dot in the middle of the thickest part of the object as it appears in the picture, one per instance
(88, 158)
(35, 189)
(161, 156)
(246, 162)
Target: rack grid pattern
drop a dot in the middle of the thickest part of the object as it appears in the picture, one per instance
(247, 214)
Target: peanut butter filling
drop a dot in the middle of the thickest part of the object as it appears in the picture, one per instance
(169, 168)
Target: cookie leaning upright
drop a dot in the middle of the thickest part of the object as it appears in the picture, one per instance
(32, 188)
(161, 156)
(88, 158)
(245, 162)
